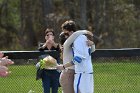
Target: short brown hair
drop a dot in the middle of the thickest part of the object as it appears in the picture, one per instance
(63, 37)
(69, 25)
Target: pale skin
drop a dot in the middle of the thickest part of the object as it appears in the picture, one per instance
(89, 42)
(63, 67)
(49, 40)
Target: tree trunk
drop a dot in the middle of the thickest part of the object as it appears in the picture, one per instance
(97, 17)
(27, 34)
(83, 14)
(47, 7)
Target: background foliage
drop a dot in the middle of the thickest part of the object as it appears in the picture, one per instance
(115, 22)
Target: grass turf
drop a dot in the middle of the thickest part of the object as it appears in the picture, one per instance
(108, 78)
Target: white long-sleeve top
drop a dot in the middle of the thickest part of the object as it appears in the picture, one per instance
(67, 51)
(82, 55)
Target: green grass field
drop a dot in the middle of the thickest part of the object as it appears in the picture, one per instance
(108, 78)
(117, 78)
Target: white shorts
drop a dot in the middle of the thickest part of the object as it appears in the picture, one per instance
(83, 83)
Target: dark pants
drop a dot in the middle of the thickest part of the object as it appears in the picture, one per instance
(50, 80)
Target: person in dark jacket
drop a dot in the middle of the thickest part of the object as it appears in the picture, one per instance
(50, 77)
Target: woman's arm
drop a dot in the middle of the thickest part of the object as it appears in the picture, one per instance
(71, 39)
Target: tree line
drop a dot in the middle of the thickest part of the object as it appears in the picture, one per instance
(116, 23)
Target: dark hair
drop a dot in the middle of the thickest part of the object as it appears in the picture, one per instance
(63, 37)
(89, 37)
(69, 25)
(49, 30)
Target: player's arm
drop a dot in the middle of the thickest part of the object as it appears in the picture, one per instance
(63, 67)
(79, 52)
(71, 39)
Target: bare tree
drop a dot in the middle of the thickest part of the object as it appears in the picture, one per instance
(27, 31)
(83, 14)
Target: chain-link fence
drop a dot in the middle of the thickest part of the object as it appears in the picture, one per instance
(119, 74)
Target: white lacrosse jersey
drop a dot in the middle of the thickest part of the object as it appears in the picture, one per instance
(83, 78)
(82, 55)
